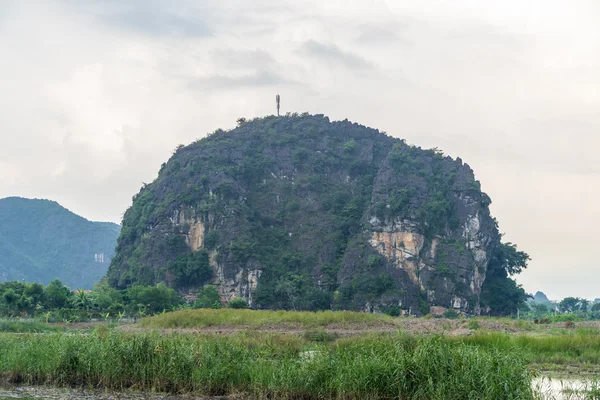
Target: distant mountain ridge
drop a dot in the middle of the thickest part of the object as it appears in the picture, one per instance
(40, 240)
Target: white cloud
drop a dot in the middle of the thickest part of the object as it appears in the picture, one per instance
(96, 94)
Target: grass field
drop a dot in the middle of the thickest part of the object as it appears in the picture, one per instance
(301, 355)
(256, 319)
(268, 366)
(16, 326)
(579, 348)
(541, 346)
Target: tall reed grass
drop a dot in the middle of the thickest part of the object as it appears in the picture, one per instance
(268, 366)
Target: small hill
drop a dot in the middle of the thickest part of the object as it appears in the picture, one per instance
(302, 213)
(41, 240)
(541, 298)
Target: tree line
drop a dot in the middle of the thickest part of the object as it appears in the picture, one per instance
(56, 302)
(569, 308)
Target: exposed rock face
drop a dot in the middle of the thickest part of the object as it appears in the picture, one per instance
(241, 285)
(302, 213)
(463, 260)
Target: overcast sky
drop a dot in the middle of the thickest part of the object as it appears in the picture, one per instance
(96, 94)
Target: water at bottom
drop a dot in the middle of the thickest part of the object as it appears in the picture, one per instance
(44, 393)
(547, 388)
(566, 388)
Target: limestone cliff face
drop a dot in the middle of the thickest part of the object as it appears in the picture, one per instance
(401, 246)
(194, 229)
(301, 213)
(450, 268)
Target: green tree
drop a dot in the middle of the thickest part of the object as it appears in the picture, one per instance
(35, 291)
(81, 300)
(10, 298)
(511, 259)
(154, 299)
(208, 298)
(503, 296)
(57, 295)
(539, 309)
(500, 295)
(570, 304)
(106, 298)
(192, 269)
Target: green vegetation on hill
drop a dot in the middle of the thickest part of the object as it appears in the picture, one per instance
(41, 241)
(298, 213)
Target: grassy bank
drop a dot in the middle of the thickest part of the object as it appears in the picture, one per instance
(28, 326)
(579, 347)
(260, 365)
(256, 319)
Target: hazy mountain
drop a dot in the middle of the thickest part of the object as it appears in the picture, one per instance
(41, 240)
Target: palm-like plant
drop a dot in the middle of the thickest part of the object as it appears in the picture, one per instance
(81, 300)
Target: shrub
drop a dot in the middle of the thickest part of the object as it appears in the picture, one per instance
(473, 324)
(392, 311)
(237, 302)
(208, 298)
(211, 240)
(349, 146)
(565, 318)
(319, 335)
(451, 314)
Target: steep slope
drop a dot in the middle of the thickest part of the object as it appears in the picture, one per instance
(41, 241)
(299, 212)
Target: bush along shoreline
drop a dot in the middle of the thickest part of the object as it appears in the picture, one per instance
(267, 366)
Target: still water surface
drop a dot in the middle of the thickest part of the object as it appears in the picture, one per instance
(569, 388)
(550, 388)
(43, 393)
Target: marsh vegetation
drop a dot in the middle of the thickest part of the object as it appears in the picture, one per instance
(262, 365)
(323, 355)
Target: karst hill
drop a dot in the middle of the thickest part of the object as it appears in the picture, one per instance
(299, 212)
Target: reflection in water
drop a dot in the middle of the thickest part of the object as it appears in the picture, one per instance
(560, 388)
(547, 388)
(43, 393)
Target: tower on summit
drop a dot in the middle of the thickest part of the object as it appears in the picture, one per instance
(278, 101)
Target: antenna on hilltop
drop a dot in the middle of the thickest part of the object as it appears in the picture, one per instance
(278, 101)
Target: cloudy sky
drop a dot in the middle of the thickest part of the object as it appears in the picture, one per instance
(96, 94)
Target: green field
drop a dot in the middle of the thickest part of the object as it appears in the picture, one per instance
(578, 348)
(257, 319)
(31, 326)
